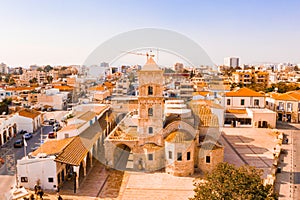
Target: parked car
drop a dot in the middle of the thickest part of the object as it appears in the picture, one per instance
(51, 135)
(27, 136)
(18, 143)
(52, 121)
(22, 131)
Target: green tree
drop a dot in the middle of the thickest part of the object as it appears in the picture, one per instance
(12, 81)
(33, 80)
(48, 68)
(7, 77)
(40, 69)
(49, 79)
(227, 182)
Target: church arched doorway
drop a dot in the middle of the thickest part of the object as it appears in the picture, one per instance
(123, 158)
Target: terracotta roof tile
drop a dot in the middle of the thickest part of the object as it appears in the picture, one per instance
(244, 92)
(20, 88)
(97, 88)
(290, 96)
(52, 147)
(236, 111)
(29, 113)
(63, 87)
(78, 148)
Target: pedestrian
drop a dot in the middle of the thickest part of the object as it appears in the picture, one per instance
(41, 193)
(35, 189)
(31, 197)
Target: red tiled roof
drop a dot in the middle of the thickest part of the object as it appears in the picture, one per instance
(244, 92)
(29, 113)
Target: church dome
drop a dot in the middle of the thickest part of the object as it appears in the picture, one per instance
(179, 137)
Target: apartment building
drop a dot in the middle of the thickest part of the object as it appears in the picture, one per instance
(246, 108)
(249, 77)
(286, 106)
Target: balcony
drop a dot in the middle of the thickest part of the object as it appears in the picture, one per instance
(289, 110)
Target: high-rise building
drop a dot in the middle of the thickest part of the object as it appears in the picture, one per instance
(3, 68)
(231, 62)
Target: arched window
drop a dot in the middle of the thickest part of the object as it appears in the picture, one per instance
(150, 111)
(150, 90)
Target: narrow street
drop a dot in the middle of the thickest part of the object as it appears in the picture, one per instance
(11, 155)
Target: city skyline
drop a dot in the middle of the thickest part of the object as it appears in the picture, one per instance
(64, 33)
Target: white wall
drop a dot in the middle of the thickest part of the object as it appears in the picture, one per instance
(235, 102)
(24, 123)
(37, 168)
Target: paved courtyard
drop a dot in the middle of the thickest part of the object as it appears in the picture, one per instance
(252, 146)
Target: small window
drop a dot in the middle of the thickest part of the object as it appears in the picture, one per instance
(188, 155)
(242, 102)
(150, 156)
(67, 135)
(256, 102)
(50, 180)
(170, 155)
(24, 179)
(207, 159)
(179, 156)
(150, 130)
(150, 111)
(228, 102)
(150, 90)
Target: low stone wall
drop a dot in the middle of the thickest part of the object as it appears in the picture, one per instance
(271, 178)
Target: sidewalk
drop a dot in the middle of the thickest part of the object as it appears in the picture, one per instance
(284, 180)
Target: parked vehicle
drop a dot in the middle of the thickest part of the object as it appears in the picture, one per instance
(18, 143)
(51, 135)
(27, 136)
(2, 161)
(22, 131)
(52, 121)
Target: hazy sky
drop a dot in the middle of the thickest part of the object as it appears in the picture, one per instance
(66, 31)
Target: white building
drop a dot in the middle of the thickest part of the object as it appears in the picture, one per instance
(28, 119)
(41, 169)
(243, 98)
(4, 94)
(58, 161)
(8, 128)
(3, 68)
(246, 108)
(231, 62)
(54, 98)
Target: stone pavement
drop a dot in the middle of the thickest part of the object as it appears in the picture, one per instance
(158, 186)
(284, 180)
(116, 185)
(252, 146)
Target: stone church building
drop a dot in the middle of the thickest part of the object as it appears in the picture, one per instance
(164, 135)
